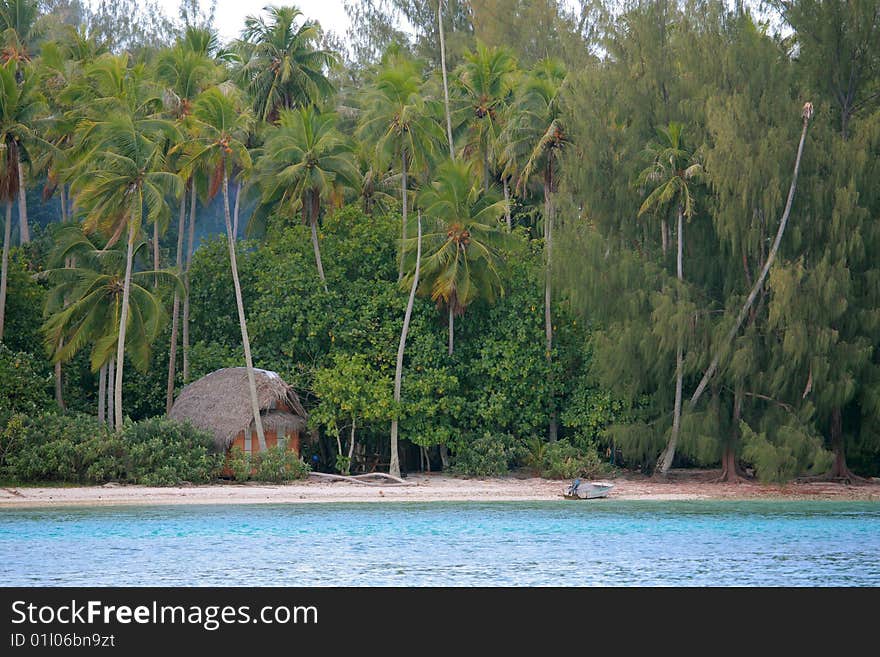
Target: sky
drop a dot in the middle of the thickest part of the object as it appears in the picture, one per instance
(230, 14)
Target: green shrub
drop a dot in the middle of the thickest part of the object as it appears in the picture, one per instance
(562, 460)
(276, 464)
(490, 455)
(24, 388)
(58, 447)
(163, 452)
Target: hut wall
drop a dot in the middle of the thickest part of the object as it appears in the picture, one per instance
(291, 443)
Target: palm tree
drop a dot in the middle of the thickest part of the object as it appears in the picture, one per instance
(185, 70)
(485, 88)
(462, 262)
(220, 127)
(282, 67)
(398, 119)
(20, 104)
(534, 137)
(394, 467)
(305, 158)
(21, 27)
(122, 179)
(672, 169)
(445, 82)
(84, 304)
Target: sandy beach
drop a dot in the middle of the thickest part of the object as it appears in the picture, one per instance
(429, 488)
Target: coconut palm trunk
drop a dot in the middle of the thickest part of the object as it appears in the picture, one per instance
(123, 320)
(102, 392)
(548, 317)
(25, 231)
(111, 385)
(315, 207)
(669, 453)
(759, 282)
(507, 216)
(4, 271)
(245, 340)
(175, 310)
(235, 210)
(445, 83)
(451, 328)
(403, 190)
(394, 468)
(187, 259)
(63, 193)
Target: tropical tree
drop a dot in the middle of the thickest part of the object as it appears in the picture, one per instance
(400, 122)
(221, 125)
(84, 305)
(282, 67)
(305, 159)
(462, 261)
(20, 29)
(534, 138)
(20, 104)
(122, 179)
(672, 170)
(484, 93)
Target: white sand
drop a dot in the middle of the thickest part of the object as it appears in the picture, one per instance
(425, 488)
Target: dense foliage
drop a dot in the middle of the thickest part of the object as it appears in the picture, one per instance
(649, 233)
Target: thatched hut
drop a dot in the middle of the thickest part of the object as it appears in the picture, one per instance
(221, 404)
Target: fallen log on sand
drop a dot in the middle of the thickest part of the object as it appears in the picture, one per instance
(387, 480)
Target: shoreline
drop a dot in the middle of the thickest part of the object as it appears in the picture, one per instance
(685, 485)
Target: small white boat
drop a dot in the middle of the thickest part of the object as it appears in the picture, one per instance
(587, 490)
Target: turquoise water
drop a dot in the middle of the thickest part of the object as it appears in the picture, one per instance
(606, 543)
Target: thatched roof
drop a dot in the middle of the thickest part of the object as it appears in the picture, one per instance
(221, 403)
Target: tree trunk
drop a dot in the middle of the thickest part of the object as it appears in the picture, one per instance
(759, 283)
(839, 469)
(123, 319)
(664, 237)
(445, 84)
(59, 383)
(669, 452)
(444, 456)
(4, 269)
(187, 259)
(403, 212)
(175, 312)
(507, 206)
(729, 470)
(451, 328)
(351, 444)
(548, 318)
(25, 232)
(102, 391)
(63, 204)
(111, 386)
(314, 206)
(245, 340)
(236, 209)
(394, 469)
(156, 258)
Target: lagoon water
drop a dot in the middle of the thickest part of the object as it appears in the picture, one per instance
(605, 543)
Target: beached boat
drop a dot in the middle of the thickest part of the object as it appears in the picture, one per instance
(587, 490)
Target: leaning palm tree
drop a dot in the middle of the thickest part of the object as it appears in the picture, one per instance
(220, 127)
(462, 261)
(282, 66)
(20, 104)
(672, 170)
(83, 305)
(120, 180)
(397, 118)
(305, 159)
(533, 139)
